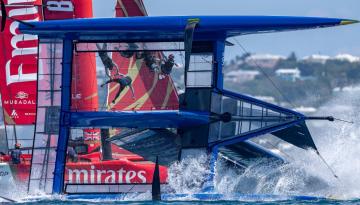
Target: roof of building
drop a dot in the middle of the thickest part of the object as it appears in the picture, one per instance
(287, 71)
(265, 57)
(242, 72)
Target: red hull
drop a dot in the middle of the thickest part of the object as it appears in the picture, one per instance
(125, 168)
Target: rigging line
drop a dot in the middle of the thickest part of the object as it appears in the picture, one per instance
(266, 75)
(328, 166)
(342, 120)
(205, 60)
(284, 153)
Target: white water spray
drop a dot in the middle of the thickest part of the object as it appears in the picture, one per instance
(188, 176)
(306, 174)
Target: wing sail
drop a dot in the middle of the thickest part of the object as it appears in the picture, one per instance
(151, 93)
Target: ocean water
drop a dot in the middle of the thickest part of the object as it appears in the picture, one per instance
(57, 201)
(306, 174)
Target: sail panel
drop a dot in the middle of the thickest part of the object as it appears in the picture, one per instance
(243, 153)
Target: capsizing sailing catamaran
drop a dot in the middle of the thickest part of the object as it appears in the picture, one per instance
(207, 119)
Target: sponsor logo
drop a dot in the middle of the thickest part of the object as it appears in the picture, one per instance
(91, 136)
(58, 9)
(105, 176)
(22, 95)
(19, 102)
(22, 46)
(14, 114)
(30, 114)
(60, 6)
(76, 96)
(3, 173)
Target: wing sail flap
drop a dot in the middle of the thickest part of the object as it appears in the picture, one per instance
(297, 135)
(240, 153)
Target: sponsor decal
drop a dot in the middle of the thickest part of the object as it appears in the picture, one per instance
(76, 96)
(4, 173)
(19, 102)
(58, 9)
(19, 72)
(91, 135)
(14, 114)
(109, 176)
(22, 95)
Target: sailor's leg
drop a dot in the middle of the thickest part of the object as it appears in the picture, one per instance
(107, 82)
(118, 93)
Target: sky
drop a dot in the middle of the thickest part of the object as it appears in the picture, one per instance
(328, 41)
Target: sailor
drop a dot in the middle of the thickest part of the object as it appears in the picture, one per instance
(151, 61)
(106, 60)
(71, 153)
(167, 66)
(15, 154)
(123, 82)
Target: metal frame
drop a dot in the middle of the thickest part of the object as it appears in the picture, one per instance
(219, 48)
(58, 185)
(70, 119)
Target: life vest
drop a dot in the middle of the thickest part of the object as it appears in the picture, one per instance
(15, 156)
(125, 81)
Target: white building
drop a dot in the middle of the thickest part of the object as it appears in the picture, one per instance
(290, 74)
(264, 60)
(347, 57)
(323, 58)
(316, 58)
(238, 76)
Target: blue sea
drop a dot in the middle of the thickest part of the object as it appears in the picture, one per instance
(347, 202)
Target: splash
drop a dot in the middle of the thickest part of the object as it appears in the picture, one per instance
(188, 176)
(305, 174)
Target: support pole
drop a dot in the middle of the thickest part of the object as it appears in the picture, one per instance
(209, 185)
(64, 131)
(106, 145)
